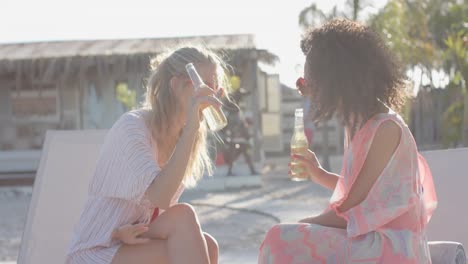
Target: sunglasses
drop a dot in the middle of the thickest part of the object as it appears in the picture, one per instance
(301, 85)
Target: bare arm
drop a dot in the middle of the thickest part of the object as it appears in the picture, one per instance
(164, 186)
(329, 219)
(383, 146)
(162, 189)
(325, 178)
(314, 170)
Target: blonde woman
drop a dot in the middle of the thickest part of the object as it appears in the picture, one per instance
(148, 157)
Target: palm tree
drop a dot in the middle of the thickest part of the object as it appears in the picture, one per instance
(430, 35)
(312, 15)
(456, 53)
(356, 5)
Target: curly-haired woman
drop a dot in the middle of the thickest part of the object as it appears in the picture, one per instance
(384, 195)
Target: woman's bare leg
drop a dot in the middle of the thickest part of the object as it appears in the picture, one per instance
(154, 252)
(179, 225)
(178, 232)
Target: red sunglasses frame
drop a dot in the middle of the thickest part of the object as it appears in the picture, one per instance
(301, 85)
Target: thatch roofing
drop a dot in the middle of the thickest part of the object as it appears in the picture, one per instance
(57, 49)
(64, 59)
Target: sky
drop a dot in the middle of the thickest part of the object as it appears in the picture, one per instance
(274, 23)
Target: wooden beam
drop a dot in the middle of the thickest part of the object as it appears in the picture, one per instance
(49, 71)
(18, 81)
(17, 179)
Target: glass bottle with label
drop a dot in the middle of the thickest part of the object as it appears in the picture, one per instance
(214, 117)
(299, 145)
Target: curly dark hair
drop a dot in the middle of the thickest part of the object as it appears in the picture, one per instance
(348, 70)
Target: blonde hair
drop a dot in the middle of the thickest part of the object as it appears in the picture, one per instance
(163, 104)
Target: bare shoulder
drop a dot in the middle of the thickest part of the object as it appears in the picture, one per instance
(382, 148)
(388, 134)
(385, 142)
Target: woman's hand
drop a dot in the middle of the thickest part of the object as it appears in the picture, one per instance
(203, 98)
(308, 164)
(328, 218)
(312, 169)
(130, 234)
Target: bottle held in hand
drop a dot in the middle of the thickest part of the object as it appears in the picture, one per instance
(215, 118)
(299, 145)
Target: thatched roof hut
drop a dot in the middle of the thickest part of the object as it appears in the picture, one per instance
(49, 61)
(51, 85)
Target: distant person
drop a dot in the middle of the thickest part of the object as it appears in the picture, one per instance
(384, 196)
(148, 157)
(236, 135)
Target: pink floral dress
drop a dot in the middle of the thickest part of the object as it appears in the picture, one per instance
(387, 227)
